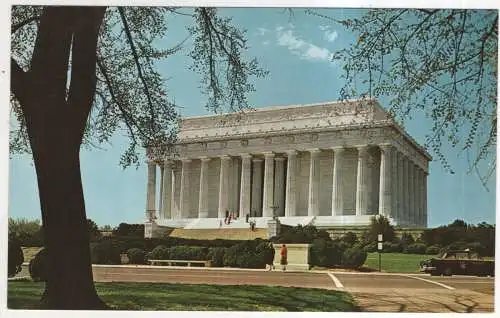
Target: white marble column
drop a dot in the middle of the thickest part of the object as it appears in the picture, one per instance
(394, 184)
(424, 198)
(151, 191)
(224, 186)
(361, 184)
(314, 171)
(184, 196)
(267, 196)
(203, 197)
(233, 186)
(290, 196)
(400, 189)
(256, 196)
(245, 187)
(175, 206)
(385, 199)
(279, 185)
(406, 191)
(160, 201)
(337, 188)
(166, 190)
(411, 193)
(414, 200)
(418, 192)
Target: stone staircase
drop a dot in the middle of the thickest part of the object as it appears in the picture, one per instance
(222, 233)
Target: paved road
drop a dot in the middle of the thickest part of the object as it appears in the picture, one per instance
(372, 291)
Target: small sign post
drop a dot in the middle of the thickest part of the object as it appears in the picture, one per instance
(380, 246)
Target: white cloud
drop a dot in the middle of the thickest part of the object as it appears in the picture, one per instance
(328, 34)
(298, 46)
(262, 31)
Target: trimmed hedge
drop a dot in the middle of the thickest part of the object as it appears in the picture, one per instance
(105, 252)
(124, 243)
(125, 229)
(16, 257)
(389, 247)
(136, 256)
(192, 253)
(39, 266)
(250, 254)
(216, 255)
(354, 257)
(417, 248)
(159, 252)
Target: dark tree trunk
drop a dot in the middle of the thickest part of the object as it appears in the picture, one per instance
(55, 124)
(70, 282)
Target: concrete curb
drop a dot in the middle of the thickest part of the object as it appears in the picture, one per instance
(254, 270)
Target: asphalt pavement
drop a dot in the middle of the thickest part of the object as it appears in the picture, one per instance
(376, 292)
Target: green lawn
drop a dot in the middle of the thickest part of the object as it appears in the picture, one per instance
(179, 297)
(397, 262)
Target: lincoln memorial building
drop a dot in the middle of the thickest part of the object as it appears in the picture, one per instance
(331, 164)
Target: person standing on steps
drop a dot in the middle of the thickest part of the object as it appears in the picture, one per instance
(283, 253)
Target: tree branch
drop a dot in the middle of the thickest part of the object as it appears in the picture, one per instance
(19, 82)
(84, 58)
(21, 24)
(136, 59)
(127, 117)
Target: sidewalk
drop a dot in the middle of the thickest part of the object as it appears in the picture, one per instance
(318, 271)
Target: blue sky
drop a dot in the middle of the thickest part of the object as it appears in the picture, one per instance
(296, 51)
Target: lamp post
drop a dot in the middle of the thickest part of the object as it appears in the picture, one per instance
(380, 246)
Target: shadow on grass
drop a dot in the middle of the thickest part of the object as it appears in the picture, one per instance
(442, 303)
(180, 297)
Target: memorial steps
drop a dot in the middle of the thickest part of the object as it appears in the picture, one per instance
(214, 223)
(222, 233)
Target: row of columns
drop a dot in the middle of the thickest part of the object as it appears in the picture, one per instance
(402, 190)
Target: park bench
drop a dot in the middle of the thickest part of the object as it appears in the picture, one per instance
(169, 262)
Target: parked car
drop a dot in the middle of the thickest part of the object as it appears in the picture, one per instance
(462, 262)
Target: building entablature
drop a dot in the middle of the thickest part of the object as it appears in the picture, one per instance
(283, 142)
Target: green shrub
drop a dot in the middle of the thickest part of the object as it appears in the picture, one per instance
(433, 250)
(124, 243)
(39, 266)
(319, 253)
(265, 251)
(300, 234)
(250, 254)
(371, 247)
(159, 252)
(249, 260)
(28, 232)
(327, 253)
(16, 257)
(379, 224)
(354, 257)
(93, 229)
(350, 238)
(390, 247)
(407, 239)
(231, 256)
(136, 256)
(133, 230)
(216, 255)
(192, 253)
(417, 248)
(105, 253)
